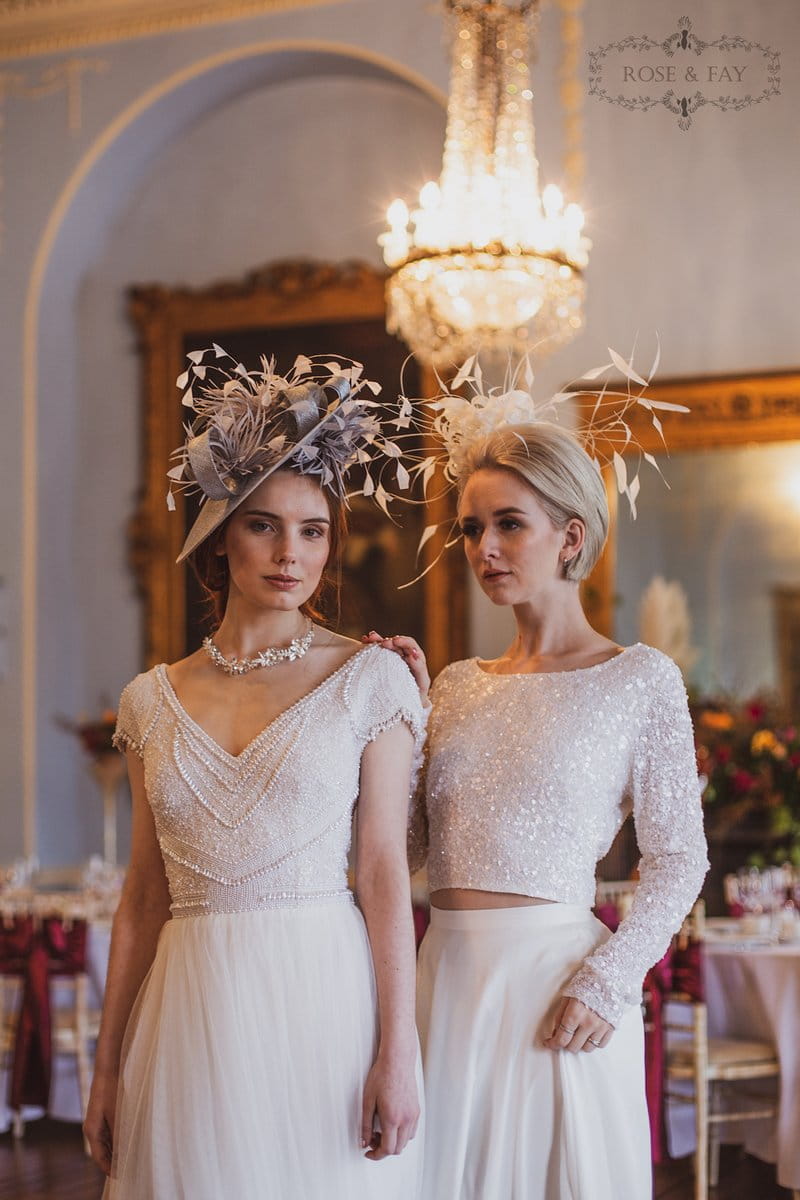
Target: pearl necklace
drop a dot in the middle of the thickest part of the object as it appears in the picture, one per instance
(270, 657)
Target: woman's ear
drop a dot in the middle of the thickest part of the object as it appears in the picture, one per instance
(574, 536)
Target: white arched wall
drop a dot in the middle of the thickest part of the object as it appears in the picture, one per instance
(80, 631)
(693, 234)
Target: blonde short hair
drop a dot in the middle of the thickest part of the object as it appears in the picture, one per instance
(566, 481)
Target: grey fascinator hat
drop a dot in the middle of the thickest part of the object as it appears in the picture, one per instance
(320, 418)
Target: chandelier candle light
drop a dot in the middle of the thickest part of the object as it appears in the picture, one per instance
(485, 261)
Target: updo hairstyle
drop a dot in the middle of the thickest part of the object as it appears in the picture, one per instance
(566, 481)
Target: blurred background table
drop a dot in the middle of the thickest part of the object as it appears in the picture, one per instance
(752, 987)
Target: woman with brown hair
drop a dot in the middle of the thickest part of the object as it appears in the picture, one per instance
(258, 1031)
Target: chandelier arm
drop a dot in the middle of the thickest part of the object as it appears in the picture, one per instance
(523, 7)
(495, 250)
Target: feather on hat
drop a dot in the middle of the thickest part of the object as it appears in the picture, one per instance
(455, 423)
(248, 424)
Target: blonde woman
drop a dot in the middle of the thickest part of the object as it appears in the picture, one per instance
(528, 1010)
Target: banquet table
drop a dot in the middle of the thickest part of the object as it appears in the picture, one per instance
(752, 989)
(64, 1103)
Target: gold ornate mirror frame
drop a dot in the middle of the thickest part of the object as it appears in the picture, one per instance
(285, 294)
(725, 410)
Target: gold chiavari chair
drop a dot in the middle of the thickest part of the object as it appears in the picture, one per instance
(708, 1064)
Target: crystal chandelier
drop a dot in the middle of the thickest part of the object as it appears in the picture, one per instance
(484, 261)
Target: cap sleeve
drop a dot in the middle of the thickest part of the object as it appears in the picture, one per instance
(669, 832)
(383, 693)
(136, 714)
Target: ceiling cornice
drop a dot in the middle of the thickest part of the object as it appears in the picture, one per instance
(31, 27)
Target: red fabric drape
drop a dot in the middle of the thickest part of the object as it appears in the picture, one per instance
(16, 938)
(657, 983)
(680, 970)
(36, 952)
(609, 915)
(421, 921)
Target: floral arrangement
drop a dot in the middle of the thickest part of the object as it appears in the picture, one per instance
(750, 761)
(96, 734)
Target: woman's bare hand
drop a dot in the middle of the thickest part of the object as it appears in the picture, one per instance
(576, 1028)
(412, 655)
(390, 1111)
(99, 1123)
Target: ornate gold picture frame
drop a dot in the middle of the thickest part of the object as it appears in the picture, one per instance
(319, 305)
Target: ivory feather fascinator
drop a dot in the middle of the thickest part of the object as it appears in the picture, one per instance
(598, 414)
(319, 418)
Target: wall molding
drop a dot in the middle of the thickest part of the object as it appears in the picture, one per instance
(31, 27)
(65, 77)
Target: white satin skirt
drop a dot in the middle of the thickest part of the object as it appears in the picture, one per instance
(245, 1060)
(508, 1119)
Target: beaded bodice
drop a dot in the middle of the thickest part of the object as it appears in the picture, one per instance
(270, 826)
(530, 777)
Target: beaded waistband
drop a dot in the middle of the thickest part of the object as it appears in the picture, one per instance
(197, 906)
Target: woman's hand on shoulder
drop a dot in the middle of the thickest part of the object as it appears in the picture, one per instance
(576, 1028)
(412, 655)
(390, 1110)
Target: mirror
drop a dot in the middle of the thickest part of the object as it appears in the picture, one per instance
(727, 528)
(728, 531)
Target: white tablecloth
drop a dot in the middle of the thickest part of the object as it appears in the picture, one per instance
(753, 991)
(64, 1095)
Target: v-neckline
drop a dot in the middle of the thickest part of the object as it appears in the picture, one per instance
(172, 696)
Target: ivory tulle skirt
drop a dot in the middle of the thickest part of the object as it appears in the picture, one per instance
(244, 1063)
(508, 1119)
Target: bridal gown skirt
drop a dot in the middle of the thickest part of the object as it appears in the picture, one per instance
(508, 1119)
(244, 1064)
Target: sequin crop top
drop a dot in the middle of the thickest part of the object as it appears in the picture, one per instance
(269, 827)
(530, 777)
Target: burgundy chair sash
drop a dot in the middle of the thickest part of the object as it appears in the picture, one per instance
(680, 970)
(687, 970)
(421, 921)
(16, 939)
(53, 948)
(608, 914)
(657, 983)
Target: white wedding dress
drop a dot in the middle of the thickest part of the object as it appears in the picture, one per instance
(247, 1049)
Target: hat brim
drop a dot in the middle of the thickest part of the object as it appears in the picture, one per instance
(214, 512)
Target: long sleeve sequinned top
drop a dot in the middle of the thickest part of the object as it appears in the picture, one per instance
(529, 778)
